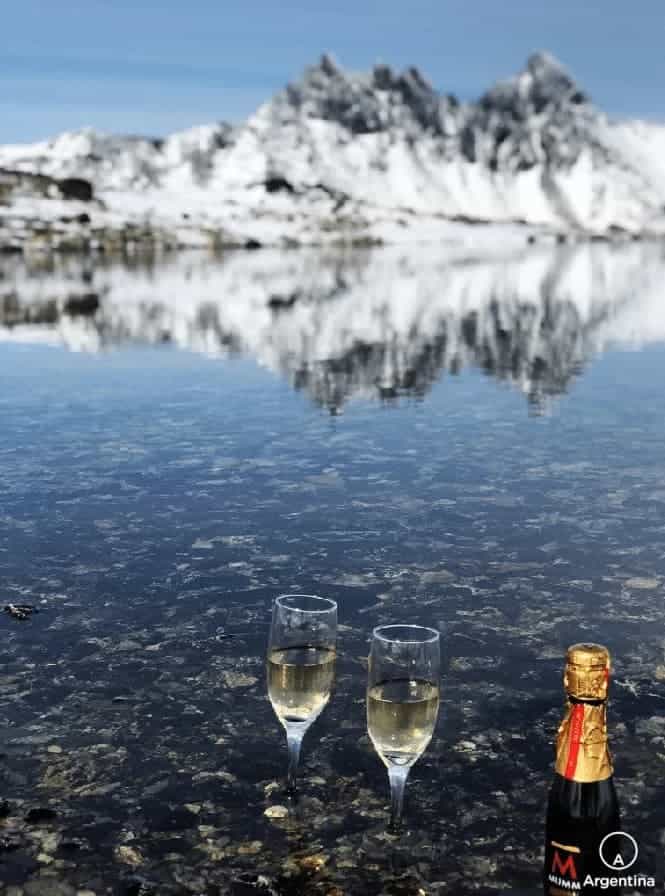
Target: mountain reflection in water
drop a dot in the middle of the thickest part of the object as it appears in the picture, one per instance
(380, 324)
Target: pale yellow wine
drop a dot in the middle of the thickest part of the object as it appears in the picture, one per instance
(299, 681)
(401, 716)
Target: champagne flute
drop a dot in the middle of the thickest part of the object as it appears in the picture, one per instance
(301, 666)
(402, 701)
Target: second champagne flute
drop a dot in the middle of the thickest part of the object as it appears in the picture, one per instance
(301, 666)
(402, 701)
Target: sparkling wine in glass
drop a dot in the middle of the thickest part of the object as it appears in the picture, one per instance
(301, 666)
(402, 701)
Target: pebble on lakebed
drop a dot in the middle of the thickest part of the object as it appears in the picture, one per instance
(276, 812)
(238, 679)
(642, 582)
(20, 611)
(129, 856)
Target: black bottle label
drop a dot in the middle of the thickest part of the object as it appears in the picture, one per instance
(579, 817)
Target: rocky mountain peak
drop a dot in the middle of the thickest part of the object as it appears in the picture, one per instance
(539, 116)
(542, 86)
(383, 99)
(328, 65)
(545, 69)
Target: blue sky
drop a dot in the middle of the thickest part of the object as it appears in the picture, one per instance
(154, 66)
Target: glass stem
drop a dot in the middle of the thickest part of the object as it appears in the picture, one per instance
(397, 775)
(294, 738)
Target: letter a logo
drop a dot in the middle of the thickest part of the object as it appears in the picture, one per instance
(563, 868)
(618, 862)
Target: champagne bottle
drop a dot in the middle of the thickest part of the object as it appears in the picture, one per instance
(583, 806)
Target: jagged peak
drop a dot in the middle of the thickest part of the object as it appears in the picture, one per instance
(321, 73)
(544, 80)
(364, 102)
(543, 63)
(543, 99)
(329, 91)
(328, 65)
(550, 75)
(381, 77)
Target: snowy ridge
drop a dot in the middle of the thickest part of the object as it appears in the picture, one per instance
(341, 157)
(377, 324)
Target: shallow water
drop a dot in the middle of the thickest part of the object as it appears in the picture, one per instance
(472, 444)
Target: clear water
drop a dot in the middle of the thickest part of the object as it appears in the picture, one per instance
(492, 465)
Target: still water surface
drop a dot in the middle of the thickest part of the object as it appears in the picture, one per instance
(473, 444)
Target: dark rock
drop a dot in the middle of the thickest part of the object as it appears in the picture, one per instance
(328, 65)
(72, 846)
(76, 188)
(468, 144)
(278, 303)
(279, 184)
(382, 76)
(253, 244)
(82, 306)
(41, 815)
(20, 611)
(9, 842)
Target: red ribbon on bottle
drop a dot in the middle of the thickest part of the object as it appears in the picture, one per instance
(576, 724)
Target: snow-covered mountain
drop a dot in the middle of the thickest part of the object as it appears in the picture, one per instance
(378, 324)
(341, 157)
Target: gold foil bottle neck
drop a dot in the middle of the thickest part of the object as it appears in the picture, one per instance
(587, 672)
(582, 752)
